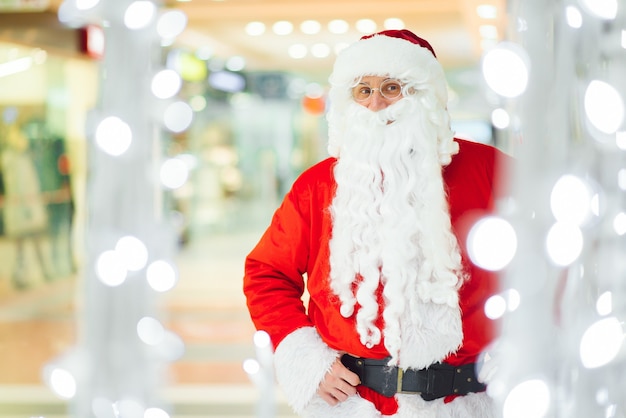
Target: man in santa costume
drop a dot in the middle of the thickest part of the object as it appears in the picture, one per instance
(394, 323)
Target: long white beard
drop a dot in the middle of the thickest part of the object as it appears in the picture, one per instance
(391, 222)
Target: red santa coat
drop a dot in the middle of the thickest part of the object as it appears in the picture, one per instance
(296, 244)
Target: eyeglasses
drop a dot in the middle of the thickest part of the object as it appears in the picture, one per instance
(389, 89)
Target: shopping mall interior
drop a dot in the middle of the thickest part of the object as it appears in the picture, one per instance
(255, 74)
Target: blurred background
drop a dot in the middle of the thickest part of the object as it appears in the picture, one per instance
(254, 72)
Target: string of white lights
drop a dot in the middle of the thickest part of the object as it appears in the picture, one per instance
(118, 365)
(560, 240)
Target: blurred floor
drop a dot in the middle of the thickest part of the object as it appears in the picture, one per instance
(206, 309)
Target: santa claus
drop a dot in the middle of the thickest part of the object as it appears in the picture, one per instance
(394, 323)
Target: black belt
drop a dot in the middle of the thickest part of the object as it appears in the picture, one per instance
(436, 381)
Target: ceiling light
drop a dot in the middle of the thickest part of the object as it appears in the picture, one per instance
(297, 51)
(366, 26)
(310, 27)
(320, 50)
(393, 23)
(282, 27)
(487, 11)
(255, 28)
(15, 66)
(338, 26)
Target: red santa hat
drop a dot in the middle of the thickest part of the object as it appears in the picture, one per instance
(390, 52)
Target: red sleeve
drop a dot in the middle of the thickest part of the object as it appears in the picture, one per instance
(273, 280)
(475, 180)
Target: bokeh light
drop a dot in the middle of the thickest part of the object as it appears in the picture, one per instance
(529, 399)
(178, 116)
(604, 9)
(564, 243)
(297, 51)
(492, 243)
(174, 173)
(604, 304)
(601, 342)
(338, 26)
(570, 200)
(604, 106)
(63, 383)
(394, 23)
(161, 276)
(171, 24)
(282, 27)
(574, 17)
(495, 307)
(619, 223)
(251, 366)
(500, 118)
(310, 27)
(365, 26)
(110, 268)
(132, 252)
(150, 330)
(255, 28)
(261, 339)
(505, 69)
(166, 84)
(139, 14)
(172, 347)
(113, 136)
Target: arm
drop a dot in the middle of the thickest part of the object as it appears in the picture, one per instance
(273, 281)
(274, 286)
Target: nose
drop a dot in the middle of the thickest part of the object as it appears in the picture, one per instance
(377, 102)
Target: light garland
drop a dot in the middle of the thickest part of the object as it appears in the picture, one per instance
(561, 352)
(117, 368)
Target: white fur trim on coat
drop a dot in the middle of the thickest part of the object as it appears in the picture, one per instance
(301, 360)
(473, 405)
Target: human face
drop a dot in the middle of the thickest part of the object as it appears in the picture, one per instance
(376, 101)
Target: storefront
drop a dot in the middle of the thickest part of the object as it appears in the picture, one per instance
(48, 88)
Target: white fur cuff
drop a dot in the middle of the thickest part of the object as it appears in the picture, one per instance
(301, 360)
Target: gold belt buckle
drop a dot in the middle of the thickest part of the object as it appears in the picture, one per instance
(399, 383)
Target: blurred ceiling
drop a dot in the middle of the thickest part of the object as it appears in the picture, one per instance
(453, 27)
(458, 30)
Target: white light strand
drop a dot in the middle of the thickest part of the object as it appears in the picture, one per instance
(562, 354)
(123, 345)
(261, 373)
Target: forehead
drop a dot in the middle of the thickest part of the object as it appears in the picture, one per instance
(373, 80)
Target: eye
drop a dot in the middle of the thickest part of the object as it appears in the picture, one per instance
(361, 92)
(392, 89)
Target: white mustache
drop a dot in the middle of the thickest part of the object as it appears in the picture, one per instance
(394, 112)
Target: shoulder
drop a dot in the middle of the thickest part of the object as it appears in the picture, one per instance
(319, 172)
(476, 153)
(468, 148)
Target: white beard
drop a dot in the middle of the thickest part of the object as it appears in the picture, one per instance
(391, 224)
